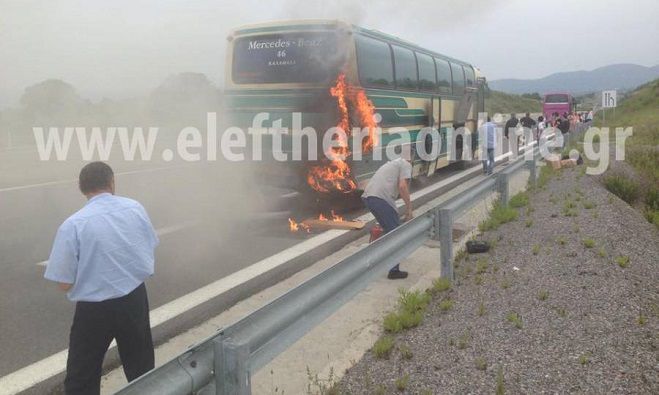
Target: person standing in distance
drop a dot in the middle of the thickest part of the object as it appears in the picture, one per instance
(489, 133)
(101, 257)
(380, 195)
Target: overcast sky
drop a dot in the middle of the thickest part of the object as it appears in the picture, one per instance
(124, 48)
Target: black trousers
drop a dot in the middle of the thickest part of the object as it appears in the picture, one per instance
(95, 324)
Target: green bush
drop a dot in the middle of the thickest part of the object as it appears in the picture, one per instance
(411, 305)
(624, 188)
(382, 347)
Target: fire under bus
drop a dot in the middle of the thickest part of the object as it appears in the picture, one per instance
(335, 74)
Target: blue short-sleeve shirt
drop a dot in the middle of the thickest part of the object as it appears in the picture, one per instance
(105, 250)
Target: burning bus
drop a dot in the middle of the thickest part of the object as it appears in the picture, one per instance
(323, 74)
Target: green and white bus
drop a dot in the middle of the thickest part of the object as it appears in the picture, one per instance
(282, 68)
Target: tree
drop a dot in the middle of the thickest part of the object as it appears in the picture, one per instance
(51, 99)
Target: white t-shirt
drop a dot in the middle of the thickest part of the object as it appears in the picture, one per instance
(384, 183)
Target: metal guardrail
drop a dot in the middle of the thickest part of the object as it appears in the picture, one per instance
(222, 364)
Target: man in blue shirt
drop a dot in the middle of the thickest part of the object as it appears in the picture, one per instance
(101, 257)
(489, 138)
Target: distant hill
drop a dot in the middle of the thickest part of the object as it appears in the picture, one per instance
(617, 76)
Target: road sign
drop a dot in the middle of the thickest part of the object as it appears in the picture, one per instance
(609, 99)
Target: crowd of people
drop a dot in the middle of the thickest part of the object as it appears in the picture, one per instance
(566, 122)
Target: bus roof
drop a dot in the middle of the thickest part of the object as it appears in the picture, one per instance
(330, 24)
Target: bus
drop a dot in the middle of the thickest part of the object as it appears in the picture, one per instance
(557, 102)
(283, 68)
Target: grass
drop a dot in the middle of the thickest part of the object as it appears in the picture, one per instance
(500, 387)
(588, 205)
(601, 252)
(519, 200)
(446, 305)
(584, 359)
(440, 285)
(639, 110)
(515, 319)
(401, 383)
(505, 283)
(536, 249)
(481, 309)
(392, 323)
(622, 187)
(481, 266)
(409, 314)
(409, 319)
(463, 340)
(652, 216)
(543, 295)
(499, 215)
(322, 387)
(546, 173)
(623, 261)
(588, 243)
(561, 312)
(405, 352)
(642, 319)
(561, 240)
(481, 363)
(383, 346)
(413, 300)
(529, 223)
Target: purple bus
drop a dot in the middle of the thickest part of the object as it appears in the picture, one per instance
(558, 102)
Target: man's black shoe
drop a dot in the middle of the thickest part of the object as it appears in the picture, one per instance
(396, 275)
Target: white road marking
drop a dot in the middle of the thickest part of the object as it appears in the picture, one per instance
(59, 182)
(160, 232)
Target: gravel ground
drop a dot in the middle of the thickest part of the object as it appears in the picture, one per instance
(588, 325)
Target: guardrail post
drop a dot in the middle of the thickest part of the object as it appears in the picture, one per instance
(231, 368)
(446, 242)
(503, 181)
(436, 225)
(533, 176)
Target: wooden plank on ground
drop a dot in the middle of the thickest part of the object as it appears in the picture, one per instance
(331, 224)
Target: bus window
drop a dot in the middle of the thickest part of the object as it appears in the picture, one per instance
(458, 79)
(285, 58)
(556, 98)
(374, 63)
(427, 78)
(405, 66)
(469, 74)
(443, 76)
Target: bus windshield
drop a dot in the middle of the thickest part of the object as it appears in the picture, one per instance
(556, 98)
(285, 58)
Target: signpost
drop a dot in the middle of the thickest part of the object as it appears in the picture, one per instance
(609, 100)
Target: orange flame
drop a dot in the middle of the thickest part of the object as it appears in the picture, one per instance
(336, 217)
(295, 226)
(334, 173)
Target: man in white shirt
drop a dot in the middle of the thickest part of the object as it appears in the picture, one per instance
(380, 195)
